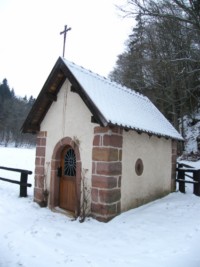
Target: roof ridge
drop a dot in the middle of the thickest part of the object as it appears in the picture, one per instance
(108, 80)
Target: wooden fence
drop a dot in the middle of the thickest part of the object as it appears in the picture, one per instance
(23, 180)
(183, 173)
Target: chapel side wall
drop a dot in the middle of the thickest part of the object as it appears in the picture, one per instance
(69, 117)
(174, 163)
(155, 181)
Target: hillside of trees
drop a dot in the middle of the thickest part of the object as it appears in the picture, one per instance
(13, 111)
(162, 56)
(161, 61)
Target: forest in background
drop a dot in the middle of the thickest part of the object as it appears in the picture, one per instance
(161, 61)
(13, 112)
(162, 56)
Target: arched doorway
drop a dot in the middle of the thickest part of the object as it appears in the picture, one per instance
(67, 186)
(66, 176)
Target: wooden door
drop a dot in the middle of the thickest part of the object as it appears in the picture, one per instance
(67, 197)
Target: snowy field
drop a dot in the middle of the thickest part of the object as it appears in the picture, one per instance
(164, 233)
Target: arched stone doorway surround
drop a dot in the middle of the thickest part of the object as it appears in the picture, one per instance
(55, 164)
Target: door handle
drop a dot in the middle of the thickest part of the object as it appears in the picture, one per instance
(59, 171)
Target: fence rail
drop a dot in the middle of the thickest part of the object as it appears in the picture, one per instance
(23, 180)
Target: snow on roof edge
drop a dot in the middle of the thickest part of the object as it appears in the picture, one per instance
(149, 132)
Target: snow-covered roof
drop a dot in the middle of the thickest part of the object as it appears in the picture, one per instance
(109, 102)
(122, 106)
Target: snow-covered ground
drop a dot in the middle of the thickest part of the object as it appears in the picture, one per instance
(163, 233)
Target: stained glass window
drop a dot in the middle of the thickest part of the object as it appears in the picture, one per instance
(70, 163)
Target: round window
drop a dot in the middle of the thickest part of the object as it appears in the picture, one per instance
(139, 167)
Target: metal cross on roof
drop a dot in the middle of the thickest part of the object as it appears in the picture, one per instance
(65, 33)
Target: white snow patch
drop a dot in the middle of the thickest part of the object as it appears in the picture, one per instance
(190, 134)
(163, 233)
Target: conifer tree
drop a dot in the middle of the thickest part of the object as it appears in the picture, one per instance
(162, 59)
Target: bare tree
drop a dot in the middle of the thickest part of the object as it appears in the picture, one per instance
(162, 59)
(190, 10)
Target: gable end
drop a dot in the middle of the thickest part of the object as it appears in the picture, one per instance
(77, 88)
(48, 95)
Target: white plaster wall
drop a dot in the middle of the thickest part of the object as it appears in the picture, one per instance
(155, 180)
(69, 117)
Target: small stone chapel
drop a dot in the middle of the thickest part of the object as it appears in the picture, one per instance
(95, 132)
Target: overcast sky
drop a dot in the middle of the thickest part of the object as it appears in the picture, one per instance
(30, 40)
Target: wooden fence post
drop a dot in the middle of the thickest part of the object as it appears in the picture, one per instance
(181, 175)
(23, 187)
(196, 177)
